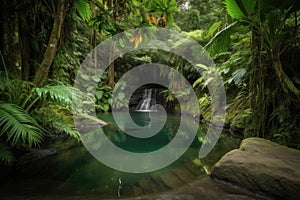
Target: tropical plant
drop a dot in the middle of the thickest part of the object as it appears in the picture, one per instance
(18, 125)
(6, 156)
(199, 14)
(103, 97)
(25, 109)
(273, 35)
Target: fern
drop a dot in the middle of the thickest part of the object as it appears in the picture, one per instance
(6, 156)
(83, 8)
(18, 125)
(59, 93)
(63, 126)
(57, 119)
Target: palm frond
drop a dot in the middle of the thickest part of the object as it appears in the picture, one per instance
(18, 125)
(213, 28)
(6, 156)
(57, 119)
(83, 8)
(63, 126)
(61, 94)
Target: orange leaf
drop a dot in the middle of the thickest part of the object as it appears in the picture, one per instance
(132, 38)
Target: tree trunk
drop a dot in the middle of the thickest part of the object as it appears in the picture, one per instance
(111, 69)
(258, 88)
(11, 38)
(43, 70)
(93, 35)
(26, 48)
(286, 83)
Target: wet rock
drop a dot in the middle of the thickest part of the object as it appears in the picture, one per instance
(35, 154)
(204, 189)
(262, 166)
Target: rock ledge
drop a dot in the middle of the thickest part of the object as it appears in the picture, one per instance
(262, 166)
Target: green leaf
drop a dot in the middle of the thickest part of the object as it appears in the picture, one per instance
(18, 125)
(99, 95)
(233, 9)
(238, 75)
(198, 82)
(212, 29)
(202, 66)
(83, 8)
(63, 126)
(221, 41)
(207, 81)
(249, 6)
(121, 42)
(240, 8)
(59, 93)
(6, 156)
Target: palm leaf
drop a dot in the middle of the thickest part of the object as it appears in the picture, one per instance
(6, 156)
(63, 126)
(59, 93)
(213, 28)
(18, 125)
(83, 8)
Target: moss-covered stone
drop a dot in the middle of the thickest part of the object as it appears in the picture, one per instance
(262, 166)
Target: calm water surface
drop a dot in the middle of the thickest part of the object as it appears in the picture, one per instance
(76, 171)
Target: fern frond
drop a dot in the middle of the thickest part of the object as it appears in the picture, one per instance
(61, 94)
(63, 126)
(83, 8)
(18, 125)
(6, 156)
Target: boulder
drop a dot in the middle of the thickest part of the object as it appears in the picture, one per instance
(262, 167)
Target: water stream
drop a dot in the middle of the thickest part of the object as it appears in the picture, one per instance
(147, 104)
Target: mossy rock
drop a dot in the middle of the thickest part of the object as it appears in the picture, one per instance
(262, 167)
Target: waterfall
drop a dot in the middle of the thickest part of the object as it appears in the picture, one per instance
(148, 102)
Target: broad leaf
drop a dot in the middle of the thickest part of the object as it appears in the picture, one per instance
(221, 41)
(240, 8)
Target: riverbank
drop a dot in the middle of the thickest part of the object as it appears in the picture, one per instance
(205, 188)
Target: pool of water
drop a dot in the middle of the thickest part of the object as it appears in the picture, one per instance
(76, 171)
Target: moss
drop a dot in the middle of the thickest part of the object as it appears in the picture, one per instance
(240, 120)
(261, 166)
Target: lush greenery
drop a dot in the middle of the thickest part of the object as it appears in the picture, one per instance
(254, 43)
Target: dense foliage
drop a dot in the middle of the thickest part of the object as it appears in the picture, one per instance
(254, 43)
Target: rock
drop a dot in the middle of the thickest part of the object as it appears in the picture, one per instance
(204, 189)
(262, 166)
(35, 154)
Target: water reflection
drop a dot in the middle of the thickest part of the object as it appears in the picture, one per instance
(76, 171)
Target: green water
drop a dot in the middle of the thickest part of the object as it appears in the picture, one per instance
(76, 171)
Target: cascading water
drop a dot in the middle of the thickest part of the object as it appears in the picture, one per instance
(148, 102)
